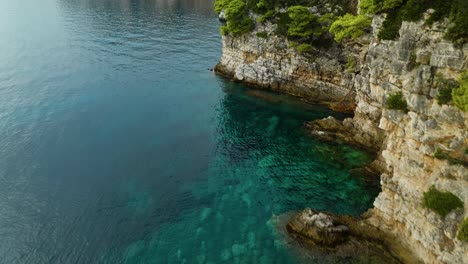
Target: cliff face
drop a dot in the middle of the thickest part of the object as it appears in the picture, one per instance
(268, 62)
(410, 65)
(407, 140)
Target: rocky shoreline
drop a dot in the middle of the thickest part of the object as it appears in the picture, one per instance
(345, 237)
(407, 141)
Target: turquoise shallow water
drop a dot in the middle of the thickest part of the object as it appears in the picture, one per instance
(117, 145)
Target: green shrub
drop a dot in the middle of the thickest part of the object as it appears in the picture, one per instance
(442, 9)
(224, 31)
(463, 231)
(350, 64)
(238, 20)
(369, 6)
(349, 26)
(439, 154)
(390, 4)
(390, 27)
(444, 96)
(458, 31)
(326, 21)
(304, 48)
(407, 10)
(293, 44)
(265, 5)
(460, 94)
(443, 155)
(262, 34)
(303, 23)
(219, 5)
(445, 87)
(269, 14)
(397, 101)
(282, 24)
(412, 10)
(441, 202)
(377, 6)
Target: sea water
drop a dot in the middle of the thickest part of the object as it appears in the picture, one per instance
(118, 145)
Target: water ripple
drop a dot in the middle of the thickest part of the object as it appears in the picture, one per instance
(118, 146)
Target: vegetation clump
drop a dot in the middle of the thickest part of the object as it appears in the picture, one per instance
(441, 202)
(443, 155)
(444, 87)
(412, 10)
(377, 6)
(304, 48)
(397, 101)
(460, 94)
(303, 24)
(262, 34)
(440, 154)
(463, 231)
(237, 17)
(350, 64)
(349, 26)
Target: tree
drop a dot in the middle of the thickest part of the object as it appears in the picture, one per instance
(237, 17)
(460, 94)
(303, 23)
(349, 26)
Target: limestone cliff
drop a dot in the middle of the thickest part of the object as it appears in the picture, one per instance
(410, 65)
(268, 62)
(406, 141)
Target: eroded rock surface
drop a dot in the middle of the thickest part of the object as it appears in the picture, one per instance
(321, 228)
(406, 141)
(270, 63)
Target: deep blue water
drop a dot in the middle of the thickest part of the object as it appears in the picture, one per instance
(117, 145)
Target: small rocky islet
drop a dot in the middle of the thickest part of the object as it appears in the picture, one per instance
(401, 68)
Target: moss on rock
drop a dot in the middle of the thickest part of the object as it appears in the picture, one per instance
(441, 202)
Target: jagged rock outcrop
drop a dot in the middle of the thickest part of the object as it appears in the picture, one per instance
(406, 141)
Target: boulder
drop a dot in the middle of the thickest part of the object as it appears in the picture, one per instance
(320, 228)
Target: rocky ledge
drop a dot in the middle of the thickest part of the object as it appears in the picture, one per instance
(345, 237)
(320, 228)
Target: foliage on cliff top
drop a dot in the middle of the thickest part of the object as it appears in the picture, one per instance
(463, 231)
(397, 101)
(460, 94)
(377, 6)
(323, 6)
(412, 10)
(349, 26)
(237, 17)
(441, 202)
(303, 23)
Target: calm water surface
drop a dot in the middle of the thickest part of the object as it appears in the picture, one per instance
(118, 146)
